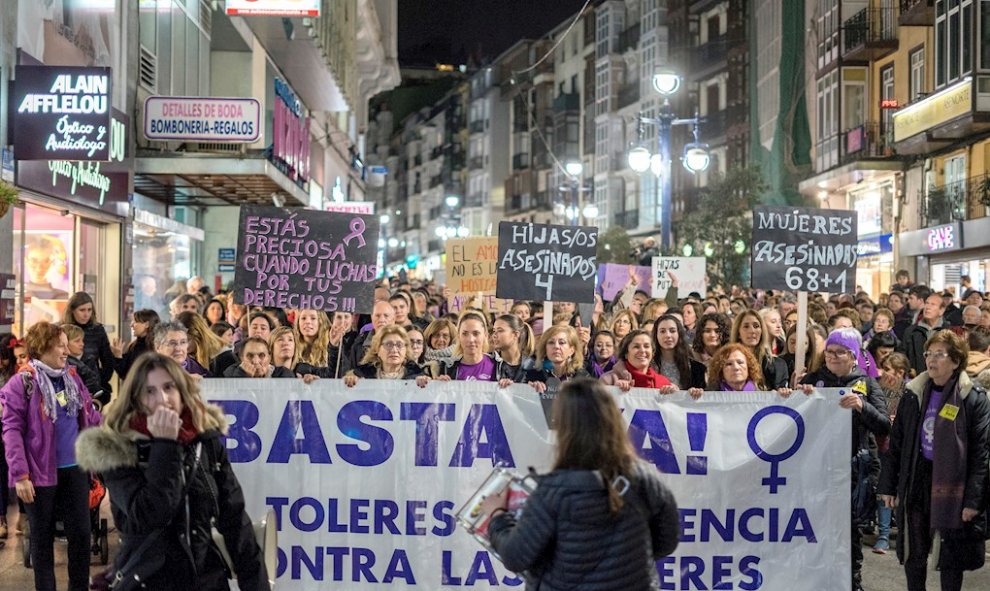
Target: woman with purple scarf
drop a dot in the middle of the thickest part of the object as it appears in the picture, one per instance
(935, 474)
(46, 407)
(601, 357)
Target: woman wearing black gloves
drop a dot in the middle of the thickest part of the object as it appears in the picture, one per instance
(162, 457)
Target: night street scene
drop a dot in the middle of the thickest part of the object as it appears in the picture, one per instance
(557, 295)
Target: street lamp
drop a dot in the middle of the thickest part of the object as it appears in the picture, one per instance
(574, 168)
(452, 201)
(695, 158)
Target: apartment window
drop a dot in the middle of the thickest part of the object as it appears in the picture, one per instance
(886, 94)
(602, 35)
(602, 90)
(828, 31)
(917, 74)
(854, 93)
(953, 37)
(826, 149)
(984, 33)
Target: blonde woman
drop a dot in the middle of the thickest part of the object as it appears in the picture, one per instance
(559, 357)
(204, 344)
(312, 337)
(284, 349)
(623, 323)
(388, 358)
(749, 330)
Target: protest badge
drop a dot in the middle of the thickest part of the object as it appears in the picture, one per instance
(804, 249)
(614, 277)
(472, 265)
(366, 482)
(306, 259)
(690, 273)
(545, 262)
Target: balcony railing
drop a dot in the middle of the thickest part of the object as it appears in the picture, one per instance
(870, 34)
(629, 94)
(955, 201)
(570, 101)
(917, 12)
(711, 54)
(628, 39)
(864, 143)
(520, 161)
(627, 219)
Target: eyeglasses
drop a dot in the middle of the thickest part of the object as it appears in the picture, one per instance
(936, 355)
(393, 346)
(176, 344)
(417, 342)
(836, 352)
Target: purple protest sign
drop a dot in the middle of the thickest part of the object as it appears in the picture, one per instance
(613, 277)
(306, 259)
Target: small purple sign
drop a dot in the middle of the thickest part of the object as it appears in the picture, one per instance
(612, 278)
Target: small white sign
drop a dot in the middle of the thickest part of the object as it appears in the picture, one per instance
(273, 7)
(690, 273)
(366, 207)
(202, 119)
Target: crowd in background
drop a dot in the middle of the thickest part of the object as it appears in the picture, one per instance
(725, 340)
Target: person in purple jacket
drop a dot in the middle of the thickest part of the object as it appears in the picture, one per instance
(46, 406)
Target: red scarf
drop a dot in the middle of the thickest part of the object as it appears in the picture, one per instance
(648, 378)
(187, 431)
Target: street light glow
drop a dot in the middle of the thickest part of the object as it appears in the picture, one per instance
(696, 158)
(656, 165)
(463, 232)
(590, 211)
(574, 168)
(639, 159)
(393, 242)
(666, 81)
(452, 201)
(384, 219)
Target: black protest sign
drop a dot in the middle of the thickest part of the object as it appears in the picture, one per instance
(62, 113)
(545, 262)
(301, 258)
(804, 249)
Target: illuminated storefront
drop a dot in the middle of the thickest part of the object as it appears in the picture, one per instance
(949, 251)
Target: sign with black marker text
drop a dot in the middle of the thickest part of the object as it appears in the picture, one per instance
(306, 259)
(62, 113)
(804, 249)
(547, 263)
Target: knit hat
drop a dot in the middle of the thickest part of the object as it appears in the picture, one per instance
(848, 338)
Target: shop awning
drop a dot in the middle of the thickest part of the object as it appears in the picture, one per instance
(202, 179)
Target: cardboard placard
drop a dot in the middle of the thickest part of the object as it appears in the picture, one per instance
(546, 262)
(458, 302)
(301, 258)
(690, 273)
(804, 249)
(472, 265)
(613, 278)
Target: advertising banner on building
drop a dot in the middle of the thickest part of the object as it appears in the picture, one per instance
(100, 185)
(301, 258)
(804, 249)
(367, 207)
(69, 32)
(545, 262)
(202, 119)
(365, 482)
(273, 7)
(62, 113)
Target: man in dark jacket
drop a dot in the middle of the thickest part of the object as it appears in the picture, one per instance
(647, 251)
(382, 315)
(869, 416)
(917, 335)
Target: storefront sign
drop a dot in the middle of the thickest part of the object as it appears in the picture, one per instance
(933, 111)
(945, 237)
(226, 259)
(546, 263)
(62, 113)
(804, 249)
(94, 184)
(273, 7)
(300, 258)
(290, 146)
(874, 246)
(202, 119)
(365, 207)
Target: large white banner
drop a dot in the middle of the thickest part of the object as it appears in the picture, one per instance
(366, 481)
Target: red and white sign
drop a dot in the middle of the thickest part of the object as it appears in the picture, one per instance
(202, 119)
(273, 7)
(364, 207)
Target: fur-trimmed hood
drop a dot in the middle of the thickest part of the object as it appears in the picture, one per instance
(917, 385)
(102, 449)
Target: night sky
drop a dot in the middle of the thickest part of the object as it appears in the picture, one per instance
(454, 31)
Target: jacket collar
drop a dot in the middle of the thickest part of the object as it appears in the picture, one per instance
(917, 385)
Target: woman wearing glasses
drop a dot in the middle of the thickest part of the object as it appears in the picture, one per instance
(388, 358)
(935, 475)
(869, 416)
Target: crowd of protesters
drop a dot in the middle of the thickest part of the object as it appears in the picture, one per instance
(903, 359)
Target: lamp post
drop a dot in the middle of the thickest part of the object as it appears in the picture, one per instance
(695, 159)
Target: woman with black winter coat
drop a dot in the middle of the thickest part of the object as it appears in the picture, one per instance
(97, 353)
(143, 328)
(869, 418)
(940, 442)
(601, 518)
(162, 458)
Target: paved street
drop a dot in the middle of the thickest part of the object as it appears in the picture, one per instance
(881, 573)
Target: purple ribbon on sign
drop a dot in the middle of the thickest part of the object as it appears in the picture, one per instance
(357, 231)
